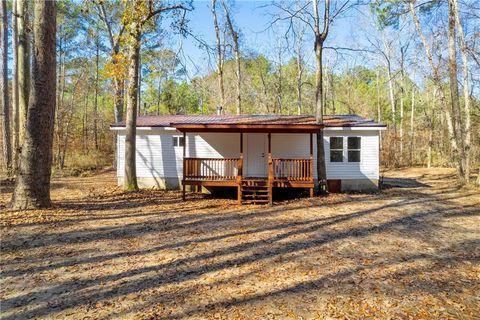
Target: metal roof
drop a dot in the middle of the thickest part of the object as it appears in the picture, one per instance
(288, 120)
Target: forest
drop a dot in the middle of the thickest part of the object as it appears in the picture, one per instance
(414, 67)
(78, 77)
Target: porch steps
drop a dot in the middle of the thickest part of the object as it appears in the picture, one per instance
(255, 192)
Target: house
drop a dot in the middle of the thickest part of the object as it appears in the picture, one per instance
(253, 153)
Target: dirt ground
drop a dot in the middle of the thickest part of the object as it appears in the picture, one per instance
(411, 251)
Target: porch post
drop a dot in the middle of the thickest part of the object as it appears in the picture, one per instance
(184, 163)
(240, 171)
(270, 169)
(311, 164)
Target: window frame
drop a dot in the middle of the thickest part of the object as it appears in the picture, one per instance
(336, 150)
(359, 149)
(178, 141)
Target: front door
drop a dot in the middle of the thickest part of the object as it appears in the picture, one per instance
(256, 155)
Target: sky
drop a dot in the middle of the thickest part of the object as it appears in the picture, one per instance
(253, 18)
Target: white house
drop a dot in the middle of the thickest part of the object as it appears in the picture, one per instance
(252, 153)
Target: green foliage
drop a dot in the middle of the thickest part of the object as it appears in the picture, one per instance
(179, 98)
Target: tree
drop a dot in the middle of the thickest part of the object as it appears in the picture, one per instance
(117, 67)
(466, 91)
(320, 38)
(220, 54)
(136, 17)
(23, 66)
(15, 111)
(7, 150)
(32, 186)
(236, 50)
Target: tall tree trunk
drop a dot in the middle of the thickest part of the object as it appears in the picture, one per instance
(431, 128)
(130, 177)
(454, 94)
(219, 55)
(319, 40)
(23, 66)
(95, 102)
(299, 82)
(402, 104)
(32, 186)
(437, 82)
(15, 111)
(412, 127)
(7, 149)
(466, 93)
(391, 91)
(236, 50)
(85, 122)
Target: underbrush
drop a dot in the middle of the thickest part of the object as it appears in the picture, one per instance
(81, 164)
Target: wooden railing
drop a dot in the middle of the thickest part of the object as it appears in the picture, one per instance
(211, 168)
(292, 169)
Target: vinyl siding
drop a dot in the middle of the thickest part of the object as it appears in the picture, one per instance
(156, 156)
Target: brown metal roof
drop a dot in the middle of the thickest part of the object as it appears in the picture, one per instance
(245, 121)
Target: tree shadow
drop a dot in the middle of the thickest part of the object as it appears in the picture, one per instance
(263, 239)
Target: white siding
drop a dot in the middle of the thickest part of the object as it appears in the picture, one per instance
(368, 166)
(156, 156)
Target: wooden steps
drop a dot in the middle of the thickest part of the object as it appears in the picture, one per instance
(255, 191)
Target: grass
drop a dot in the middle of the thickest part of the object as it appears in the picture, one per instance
(411, 251)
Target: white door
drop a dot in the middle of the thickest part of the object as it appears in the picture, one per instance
(256, 164)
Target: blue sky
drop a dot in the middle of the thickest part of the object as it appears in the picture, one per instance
(253, 18)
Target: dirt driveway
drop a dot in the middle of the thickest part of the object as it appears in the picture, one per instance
(409, 252)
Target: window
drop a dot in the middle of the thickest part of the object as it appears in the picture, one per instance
(336, 149)
(178, 141)
(354, 149)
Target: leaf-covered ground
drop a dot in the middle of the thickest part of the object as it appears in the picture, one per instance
(409, 252)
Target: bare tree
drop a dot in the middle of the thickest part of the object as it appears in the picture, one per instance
(454, 93)
(236, 50)
(32, 186)
(320, 38)
(114, 40)
(466, 91)
(437, 82)
(220, 54)
(7, 150)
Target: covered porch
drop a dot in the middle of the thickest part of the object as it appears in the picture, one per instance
(256, 171)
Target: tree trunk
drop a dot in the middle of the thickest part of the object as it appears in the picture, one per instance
(32, 186)
(7, 149)
(95, 102)
(23, 66)
(219, 55)
(130, 182)
(299, 82)
(466, 93)
(236, 51)
(319, 40)
(402, 104)
(412, 127)
(15, 111)
(454, 95)
(437, 82)
(85, 122)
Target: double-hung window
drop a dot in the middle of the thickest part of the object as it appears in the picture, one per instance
(336, 149)
(354, 146)
(178, 141)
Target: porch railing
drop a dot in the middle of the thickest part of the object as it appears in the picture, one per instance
(211, 168)
(292, 169)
